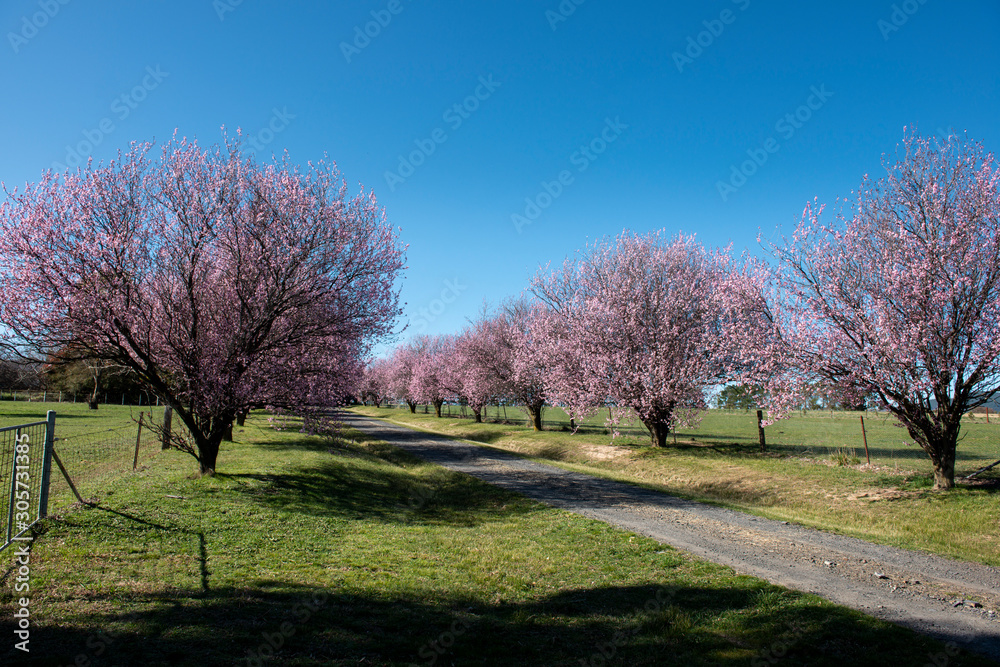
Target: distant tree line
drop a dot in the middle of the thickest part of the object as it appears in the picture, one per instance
(895, 304)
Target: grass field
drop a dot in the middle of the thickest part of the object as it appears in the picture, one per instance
(73, 419)
(819, 433)
(303, 553)
(805, 480)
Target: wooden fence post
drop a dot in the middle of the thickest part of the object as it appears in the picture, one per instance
(760, 431)
(168, 413)
(864, 436)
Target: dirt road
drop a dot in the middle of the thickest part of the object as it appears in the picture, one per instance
(913, 589)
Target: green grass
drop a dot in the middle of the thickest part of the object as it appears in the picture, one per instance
(816, 433)
(890, 502)
(362, 554)
(73, 419)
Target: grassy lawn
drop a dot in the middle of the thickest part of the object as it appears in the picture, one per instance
(816, 433)
(889, 502)
(72, 419)
(303, 553)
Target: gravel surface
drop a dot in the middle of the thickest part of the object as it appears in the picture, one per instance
(930, 594)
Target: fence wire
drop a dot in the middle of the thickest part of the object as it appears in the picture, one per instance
(92, 460)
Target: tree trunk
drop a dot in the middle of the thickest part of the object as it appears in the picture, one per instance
(535, 411)
(658, 431)
(477, 415)
(437, 408)
(659, 427)
(413, 407)
(943, 458)
(938, 438)
(241, 418)
(208, 453)
(572, 424)
(227, 435)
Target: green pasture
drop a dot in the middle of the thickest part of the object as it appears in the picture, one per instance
(303, 551)
(816, 433)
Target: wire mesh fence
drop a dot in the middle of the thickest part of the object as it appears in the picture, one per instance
(88, 462)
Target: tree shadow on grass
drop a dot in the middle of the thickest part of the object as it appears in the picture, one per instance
(484, 436)
(279, 623)
(412, 493)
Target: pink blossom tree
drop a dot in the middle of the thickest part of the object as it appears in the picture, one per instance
(433, 380)
(642, 324)
(474, 364)
(899, 298)
(221, 283)
(519, 365)
(375, 381)
(402, 362)
(566, 378)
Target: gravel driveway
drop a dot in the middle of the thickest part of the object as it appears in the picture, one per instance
(927, 593)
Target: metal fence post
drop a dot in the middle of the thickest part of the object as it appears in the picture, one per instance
(138, 439)
(50, 439)
(13, 486)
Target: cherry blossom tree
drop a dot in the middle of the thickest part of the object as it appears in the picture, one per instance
(566, 378)
(433, 380)
(375, 381)
(402, 362)
(519, 364)
(473, 365)
(642, 323)
(222, 284)
(898, 298)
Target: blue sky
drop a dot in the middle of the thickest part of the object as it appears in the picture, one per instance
(583, 118)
